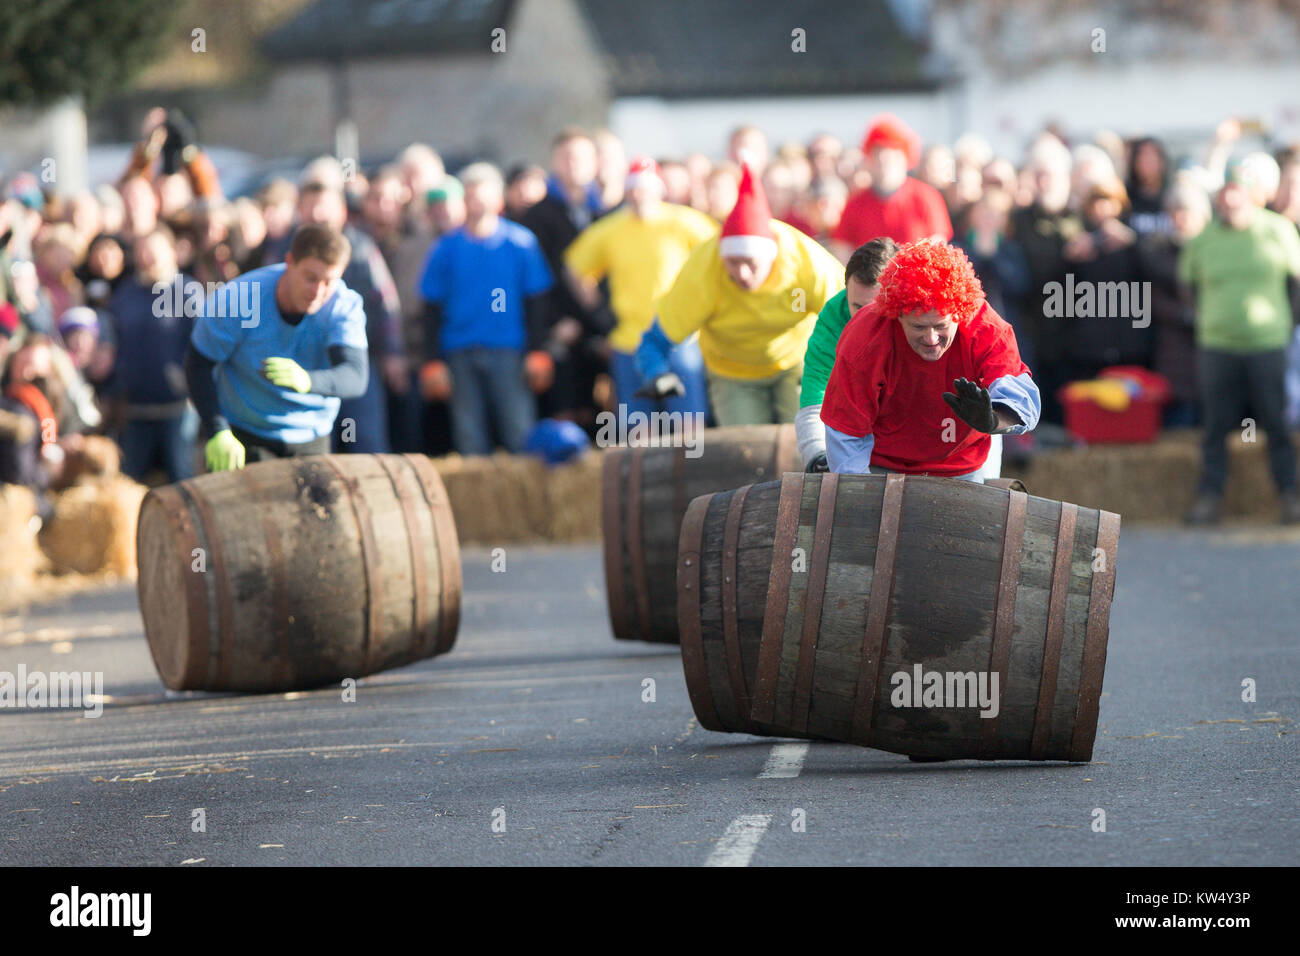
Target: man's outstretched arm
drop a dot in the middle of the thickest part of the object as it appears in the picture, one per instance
(346, 378)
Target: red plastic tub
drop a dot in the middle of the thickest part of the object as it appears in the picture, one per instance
(1137, 424)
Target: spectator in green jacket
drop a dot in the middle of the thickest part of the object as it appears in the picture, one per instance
(1237, 268)
(861, 275)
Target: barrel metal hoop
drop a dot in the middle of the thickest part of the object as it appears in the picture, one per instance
(689, 550)
(369, 561)
(1055, 635)
(1094, 645)
(221, 648)
(425, 635)
(778, 596)
(740, 690)
(882, 588)
(448, 547)
(1004, 618)
(819, 563)
(180, 518)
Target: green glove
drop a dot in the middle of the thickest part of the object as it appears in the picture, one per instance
(224, 451)
(287, 373)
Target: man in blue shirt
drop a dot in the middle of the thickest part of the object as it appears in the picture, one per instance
(274, 352)
(485, 284)
(362, 422)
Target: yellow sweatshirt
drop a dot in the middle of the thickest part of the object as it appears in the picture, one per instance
(752, 335)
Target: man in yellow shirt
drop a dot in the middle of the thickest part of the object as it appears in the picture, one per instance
(640, 249)
(753, 293)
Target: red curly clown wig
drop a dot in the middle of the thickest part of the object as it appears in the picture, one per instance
(929, 275)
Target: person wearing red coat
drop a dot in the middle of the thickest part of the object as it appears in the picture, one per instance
(895, 204)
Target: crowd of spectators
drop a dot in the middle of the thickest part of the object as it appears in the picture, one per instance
(85, 349)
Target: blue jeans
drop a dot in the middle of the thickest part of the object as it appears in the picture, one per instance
(167, 443)
(406, 417)
(489, 398)
(688, 364)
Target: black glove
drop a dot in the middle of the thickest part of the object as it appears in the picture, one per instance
(973, 406)
(818, 464)
(662, 386)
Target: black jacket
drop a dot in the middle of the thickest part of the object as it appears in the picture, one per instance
(550, 221)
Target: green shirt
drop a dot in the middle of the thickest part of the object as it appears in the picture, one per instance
(1240, 280)
(819, 358)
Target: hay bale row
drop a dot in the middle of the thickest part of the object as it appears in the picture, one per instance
(1155, 482)
(508, 498)
(503, 498)
(93, 528)
(20, 558)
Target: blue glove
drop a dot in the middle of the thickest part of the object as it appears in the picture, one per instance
(652, 353)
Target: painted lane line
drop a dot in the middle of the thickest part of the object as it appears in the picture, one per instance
(786, 760)
(740, 841)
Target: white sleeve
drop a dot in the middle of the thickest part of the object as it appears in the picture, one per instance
(810, 432)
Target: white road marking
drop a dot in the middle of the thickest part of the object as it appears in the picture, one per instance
(740, 841)
(786, 760)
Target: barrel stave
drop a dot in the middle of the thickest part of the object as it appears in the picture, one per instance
(662, 507)
(1015, 721)
(1077, 609)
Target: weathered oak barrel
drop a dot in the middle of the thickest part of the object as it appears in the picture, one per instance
(893, 612)
(298, 573)
(644, 494)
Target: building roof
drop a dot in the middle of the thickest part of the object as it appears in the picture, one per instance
(330, 29)
(706, 48)
(666, 48)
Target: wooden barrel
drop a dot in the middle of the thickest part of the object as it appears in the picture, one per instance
(803, 601)
(644, 494)
(298, 573)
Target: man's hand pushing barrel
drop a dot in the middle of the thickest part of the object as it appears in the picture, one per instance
(888, 407)
(974, 406)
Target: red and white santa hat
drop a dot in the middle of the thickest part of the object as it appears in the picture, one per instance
(644, 171)
(748, 230)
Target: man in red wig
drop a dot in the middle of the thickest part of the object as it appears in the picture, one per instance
(887, 405)
(894, 205)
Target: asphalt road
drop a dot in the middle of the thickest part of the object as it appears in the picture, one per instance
(530, 743)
